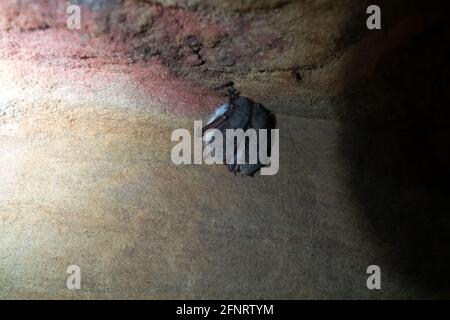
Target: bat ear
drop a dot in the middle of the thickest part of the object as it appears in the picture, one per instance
(233, 92)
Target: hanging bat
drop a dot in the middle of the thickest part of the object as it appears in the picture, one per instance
(239, 113)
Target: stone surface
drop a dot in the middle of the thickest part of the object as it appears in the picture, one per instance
(85, 170)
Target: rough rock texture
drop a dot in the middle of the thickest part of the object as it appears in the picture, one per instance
(85, 170)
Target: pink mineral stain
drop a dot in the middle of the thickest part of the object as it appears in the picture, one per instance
(54, 54)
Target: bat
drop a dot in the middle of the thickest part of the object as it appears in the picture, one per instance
(239, 113)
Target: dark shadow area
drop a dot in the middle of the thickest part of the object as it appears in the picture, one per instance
(398, 146)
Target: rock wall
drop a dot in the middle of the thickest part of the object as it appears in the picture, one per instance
(85, 123)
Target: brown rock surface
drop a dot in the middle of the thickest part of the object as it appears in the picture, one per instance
(85, 169)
